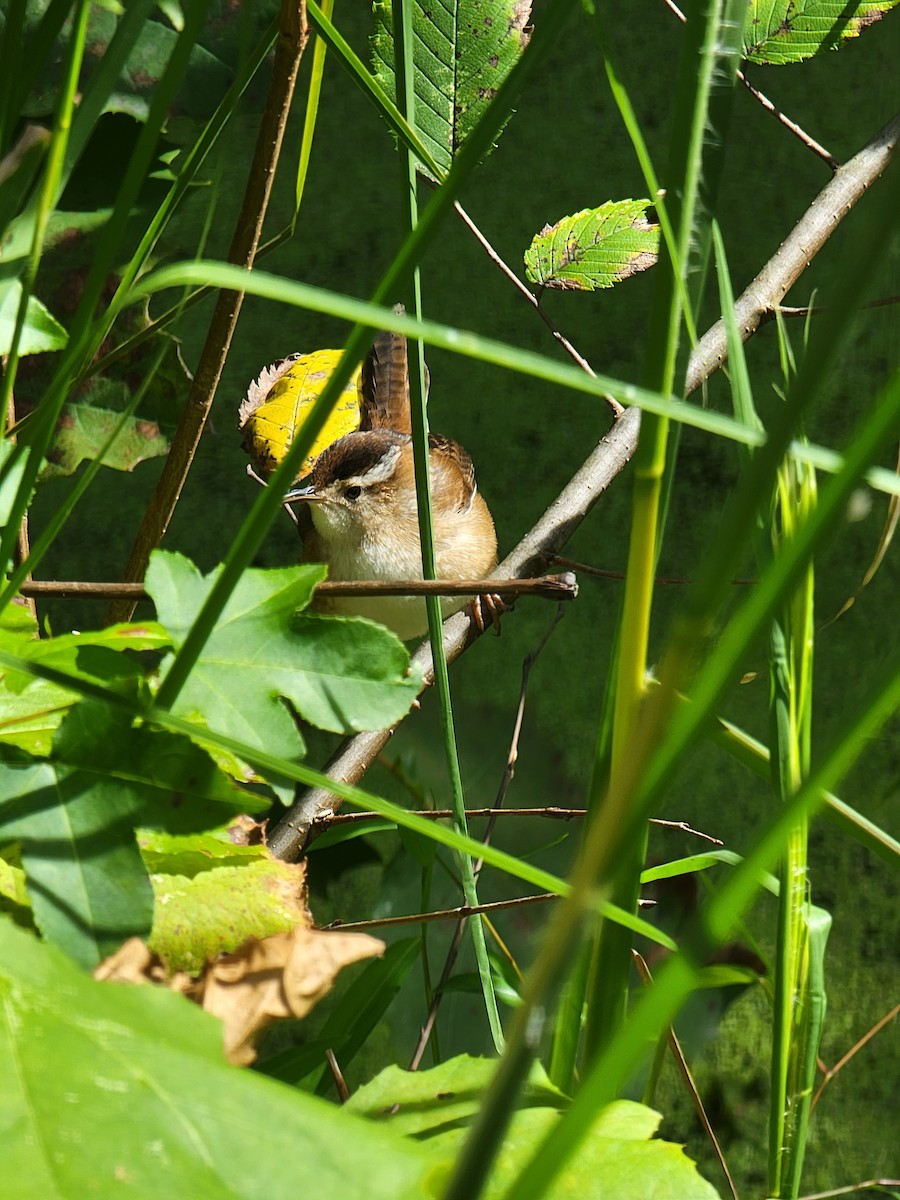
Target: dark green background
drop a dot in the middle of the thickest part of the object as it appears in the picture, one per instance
(564, 150)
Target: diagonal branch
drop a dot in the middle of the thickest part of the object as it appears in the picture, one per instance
(537, 549)
(289, 836)
(759, 301)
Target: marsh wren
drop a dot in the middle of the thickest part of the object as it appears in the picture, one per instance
(362, 497)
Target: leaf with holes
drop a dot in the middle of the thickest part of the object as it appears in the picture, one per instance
(462, 51)
(783, 31)
(595, 248)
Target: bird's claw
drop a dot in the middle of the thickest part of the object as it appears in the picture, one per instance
(489, 607)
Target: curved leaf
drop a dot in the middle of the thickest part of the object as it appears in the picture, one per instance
(594, 248)
(41, 331)
(788, 31)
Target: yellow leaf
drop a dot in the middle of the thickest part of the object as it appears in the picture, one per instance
(278, 403)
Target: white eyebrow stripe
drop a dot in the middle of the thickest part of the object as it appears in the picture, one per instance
(381, 471)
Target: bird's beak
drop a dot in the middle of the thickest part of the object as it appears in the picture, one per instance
(301, 493)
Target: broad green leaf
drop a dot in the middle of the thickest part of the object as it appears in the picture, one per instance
(88, 887)
(787, 31)
(621, 1159)
(112, 1088)
(82, 432)
(204, 908)
(462, 52)
(74, 817)
(41, 331)
(340, 674)
(447, 1094)
(595, 248)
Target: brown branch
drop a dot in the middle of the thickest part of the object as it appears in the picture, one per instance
(530, 297)
(866, 1037)
(547, 587)
(809, 142)
(288, 838)
(687, 1076)
(763, 296)
(292, 38)
(443, 914)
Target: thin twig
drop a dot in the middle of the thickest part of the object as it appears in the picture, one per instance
(600, 573)
(508, 772)
(338, 1075)
(530, 297)
(866, 1037)
(852, 1187)
(551, 812)
(687, 1076)
(547, 587)
(445, 814)
(815, 310)
(760, 300)
(809, 142)
(292, 39)
(461, 914)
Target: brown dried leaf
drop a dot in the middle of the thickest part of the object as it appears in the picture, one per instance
(285, 975)
(265, 980)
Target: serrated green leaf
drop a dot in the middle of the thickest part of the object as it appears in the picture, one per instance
(140, 1099)
(462, 52)
(41, 331)
(244, 892)
(788, 31)
(595, 248)
(342, 674)
(83, 430)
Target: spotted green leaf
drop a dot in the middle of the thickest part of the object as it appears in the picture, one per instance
(788, 31)
(595, 248)
(462, 52)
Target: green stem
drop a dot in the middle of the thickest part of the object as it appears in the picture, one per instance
(404, 74)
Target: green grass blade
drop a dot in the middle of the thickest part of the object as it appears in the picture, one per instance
(657, 1006)
(402, 12)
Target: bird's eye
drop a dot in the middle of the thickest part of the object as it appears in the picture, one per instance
(353, 493)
